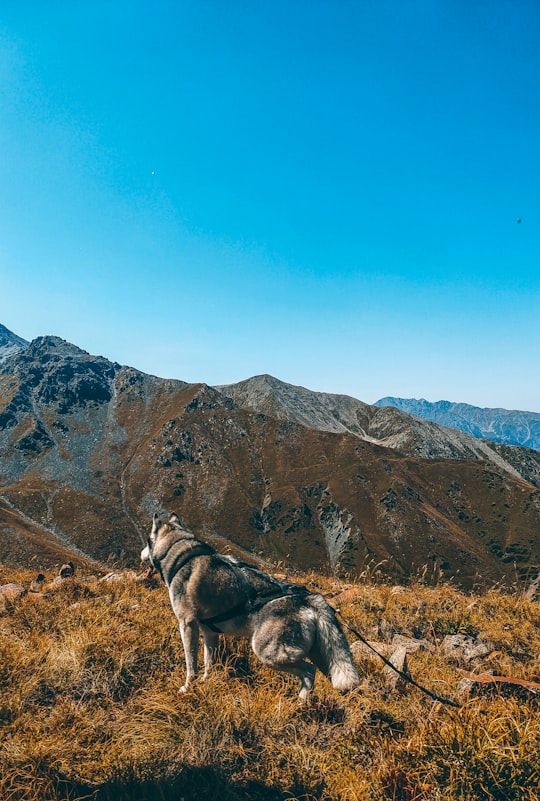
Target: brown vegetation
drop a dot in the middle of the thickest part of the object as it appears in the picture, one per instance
(90, 706)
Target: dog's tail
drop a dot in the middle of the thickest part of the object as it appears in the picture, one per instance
(331, 653)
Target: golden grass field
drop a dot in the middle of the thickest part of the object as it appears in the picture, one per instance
(90, 708)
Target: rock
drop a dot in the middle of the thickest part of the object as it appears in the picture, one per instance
(58, 581)
(67, 570)
(533, 590)
(12, 591)
(360, 648)
(37, 584)
(411, 644)
(126, 575)
(465, 686)
(482, 650)
(462, 648)
(397, 656)
(399, 661)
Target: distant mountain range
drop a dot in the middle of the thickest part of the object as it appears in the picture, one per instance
(499, 425)
(89, 449)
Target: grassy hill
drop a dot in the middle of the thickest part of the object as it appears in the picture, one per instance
(90, 708)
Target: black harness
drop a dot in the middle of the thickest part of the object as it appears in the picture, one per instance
(200, 549)
(236, 611)
(254, 604)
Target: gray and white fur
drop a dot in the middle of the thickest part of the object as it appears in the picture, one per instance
(290, 628)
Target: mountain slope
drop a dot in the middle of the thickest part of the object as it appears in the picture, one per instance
(268, 395)
(509, 427)
(386, 426)
(10, 343)
(89, 449)
(25, 542)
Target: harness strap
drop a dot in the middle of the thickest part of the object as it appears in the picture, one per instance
(253, 604)
(201, 549)
(210, 622)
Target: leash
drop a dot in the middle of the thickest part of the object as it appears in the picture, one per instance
(401, 673)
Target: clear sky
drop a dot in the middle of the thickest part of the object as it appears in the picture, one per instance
(324, 190)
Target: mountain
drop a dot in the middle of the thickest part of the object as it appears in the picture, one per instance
(268, 395)
(509, 427)
(387, 426)
(90, 449)
(10, 343)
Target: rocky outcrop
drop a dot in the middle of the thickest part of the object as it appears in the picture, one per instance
(10, 343)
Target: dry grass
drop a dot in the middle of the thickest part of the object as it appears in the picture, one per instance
(90, 708)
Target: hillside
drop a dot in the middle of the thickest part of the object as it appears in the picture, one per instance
(506, 426)
(386, 425)
(89, 449)
(91, 709)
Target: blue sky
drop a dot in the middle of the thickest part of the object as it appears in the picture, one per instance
(324, 190)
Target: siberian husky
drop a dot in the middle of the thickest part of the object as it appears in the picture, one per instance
(286, 623)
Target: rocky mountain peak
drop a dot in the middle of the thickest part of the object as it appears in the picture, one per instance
(256, 387)
(10, 343)
(53, 345)
(320, 410)
(53, 373)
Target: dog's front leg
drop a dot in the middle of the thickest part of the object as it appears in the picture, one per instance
(210, 651)
(189, 631)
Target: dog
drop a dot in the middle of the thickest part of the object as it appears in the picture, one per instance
(218, 594)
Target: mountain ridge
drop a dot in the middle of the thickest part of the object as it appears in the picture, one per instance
(90, 449)
(10, 343)
(386, 426)
(507, 426)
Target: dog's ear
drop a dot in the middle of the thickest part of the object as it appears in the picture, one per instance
(156, 522)
(175, 520)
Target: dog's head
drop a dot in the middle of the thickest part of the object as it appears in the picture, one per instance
(162, 531)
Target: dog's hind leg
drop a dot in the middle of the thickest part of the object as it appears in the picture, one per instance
(287, 660)
(305, 672)
(210, 651)
(189, 631)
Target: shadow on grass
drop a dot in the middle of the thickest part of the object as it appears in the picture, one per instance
(193, 784)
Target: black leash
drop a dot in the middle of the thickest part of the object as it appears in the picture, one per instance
(404, 676)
